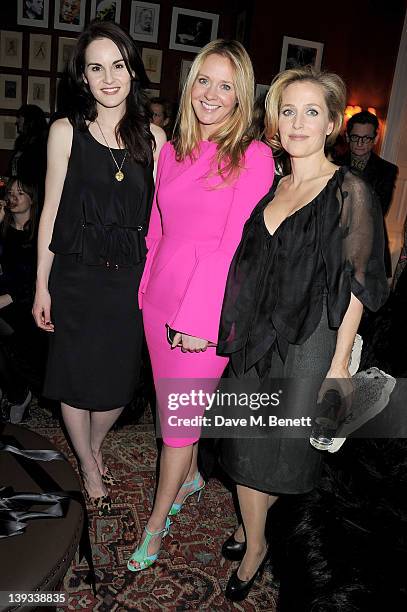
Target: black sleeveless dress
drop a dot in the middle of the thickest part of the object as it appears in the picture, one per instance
(99, 246)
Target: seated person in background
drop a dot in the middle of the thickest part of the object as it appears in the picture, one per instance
(362, 134)
(22, 345)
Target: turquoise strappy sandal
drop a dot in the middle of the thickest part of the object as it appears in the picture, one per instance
(140, 555)
(175, 508)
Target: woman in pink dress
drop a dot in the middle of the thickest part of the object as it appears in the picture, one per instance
(208, 181)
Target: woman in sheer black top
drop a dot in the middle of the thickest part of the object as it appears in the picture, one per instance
(310, 258)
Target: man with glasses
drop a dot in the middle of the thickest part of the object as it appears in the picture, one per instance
(362, 133)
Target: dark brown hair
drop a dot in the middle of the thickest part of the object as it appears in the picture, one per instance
(30, 190)
(134, 127)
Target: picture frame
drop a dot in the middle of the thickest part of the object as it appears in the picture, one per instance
(58, 81)
(61, 89)
(106, 10)
(192, 30)
(40, 52)
(261, 90)
(297, 52)
(241, 27)
(152, 60)
(152, 93)
(65, 49)
(33, 13)
(144, 21)
(38, 92)
(183, 74)
(10, 91)
(69, 15)
(11, 49)
(8, 132)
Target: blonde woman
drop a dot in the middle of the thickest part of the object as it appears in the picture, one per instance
(310, 258)
(208, 181)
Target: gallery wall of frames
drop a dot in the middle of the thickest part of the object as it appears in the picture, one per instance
(37, 37)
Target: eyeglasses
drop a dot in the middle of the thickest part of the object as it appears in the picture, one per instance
(362, 139)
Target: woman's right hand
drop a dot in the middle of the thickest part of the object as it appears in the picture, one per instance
(189, 344)
(42, 310)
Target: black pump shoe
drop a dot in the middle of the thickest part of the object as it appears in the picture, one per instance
(233, 550)
(236, 589)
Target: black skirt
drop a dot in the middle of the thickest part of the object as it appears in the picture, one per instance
(95, 351)
(283, 465)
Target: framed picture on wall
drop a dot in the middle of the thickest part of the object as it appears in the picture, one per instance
(144, 19)
(11, 45)
(65, 49)
(33, 13)
(152, 60)
(192, 30)
(241, 27)
(261, 90)
(38, 92)
(10, 91)
(297, 52)
(183, 75)
(69, 15)
(40, 52)
(152, 93)
(106, 10)
(8, 132)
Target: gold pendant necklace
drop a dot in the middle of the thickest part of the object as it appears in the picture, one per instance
(119, 176)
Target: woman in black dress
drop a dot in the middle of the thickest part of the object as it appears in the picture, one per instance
(91, 245)
(311, 256)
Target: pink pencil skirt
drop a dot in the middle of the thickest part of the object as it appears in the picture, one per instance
(172, 370)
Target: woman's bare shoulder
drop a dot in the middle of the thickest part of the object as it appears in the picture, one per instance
(60, 138)
(61, 127)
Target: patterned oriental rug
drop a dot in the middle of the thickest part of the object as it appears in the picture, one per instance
(190, 573)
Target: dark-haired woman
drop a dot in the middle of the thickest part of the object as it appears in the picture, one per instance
(22, 345)
(91, 245)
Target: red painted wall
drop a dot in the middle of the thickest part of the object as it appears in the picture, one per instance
(361, 41)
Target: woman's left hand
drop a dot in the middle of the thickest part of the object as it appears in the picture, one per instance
(190, 344)
(339, 379)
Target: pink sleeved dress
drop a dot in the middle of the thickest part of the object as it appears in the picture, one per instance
(196, 224)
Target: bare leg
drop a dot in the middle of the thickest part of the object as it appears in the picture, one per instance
(77, 423)
(174, 466)
(100, 424)
(239, 534)
(194, 462)
(254, 506)
(193, 469)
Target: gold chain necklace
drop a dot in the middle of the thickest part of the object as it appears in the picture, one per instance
(119, 176)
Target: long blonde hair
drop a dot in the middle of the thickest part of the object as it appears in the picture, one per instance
(334, 92)
(232, 138)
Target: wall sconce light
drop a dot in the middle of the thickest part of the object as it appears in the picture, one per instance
(352, 110)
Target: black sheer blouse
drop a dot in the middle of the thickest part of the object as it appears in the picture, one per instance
(277, 283)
